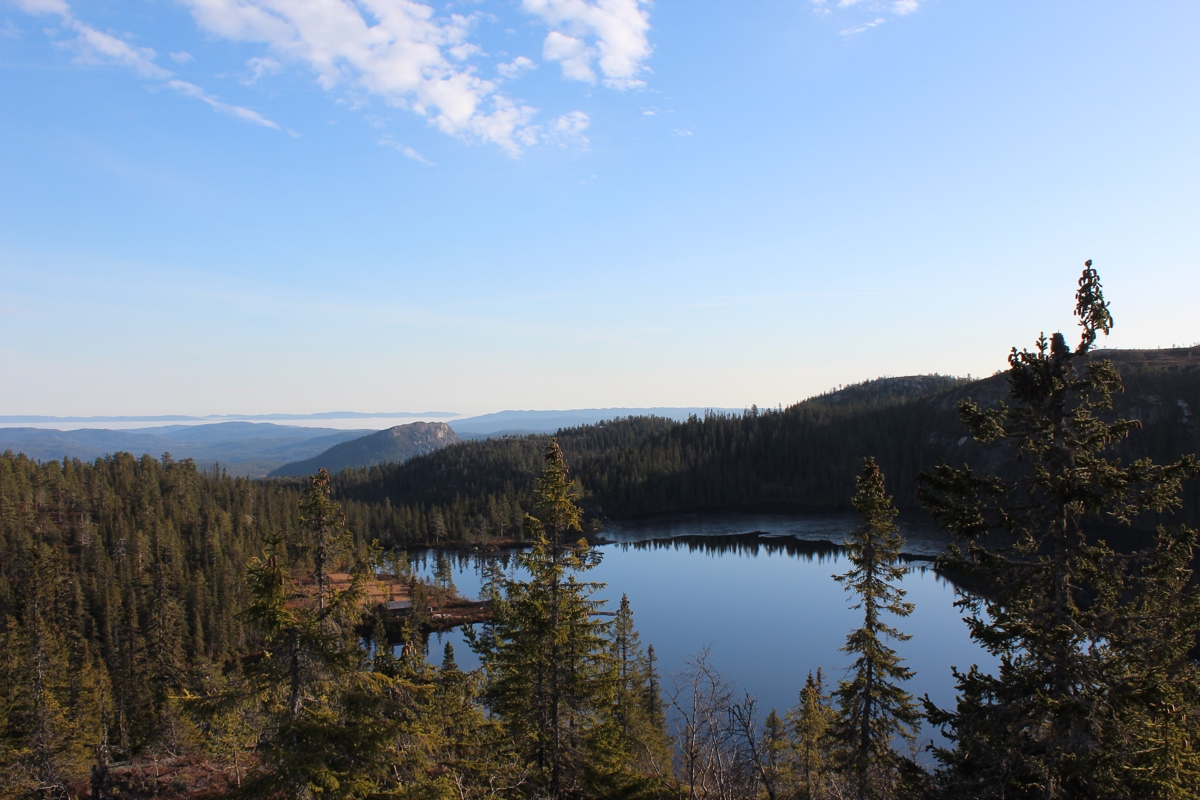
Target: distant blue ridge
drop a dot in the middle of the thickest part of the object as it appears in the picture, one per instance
(185, 418)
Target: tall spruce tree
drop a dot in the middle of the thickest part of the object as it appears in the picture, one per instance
(1095, 682)
(548, 662)
(873, 706)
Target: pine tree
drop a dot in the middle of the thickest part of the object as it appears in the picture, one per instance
(1092, 643)
(873, 706)
(548, 667)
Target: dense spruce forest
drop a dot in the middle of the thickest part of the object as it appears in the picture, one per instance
(796, 459)
(174, 632)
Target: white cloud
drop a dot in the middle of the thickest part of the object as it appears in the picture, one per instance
(866, 26)
(397, 50)
(871, 13)
(59, 7)
(610, 33)
(239, 112)
(682, 132)
(568, 130)
(572, 54)
(403, 52)
(516, 68)
(261, 66)
(461, 52)
(96, 47)
(406, 151)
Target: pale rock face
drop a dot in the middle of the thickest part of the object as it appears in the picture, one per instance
(385, 447)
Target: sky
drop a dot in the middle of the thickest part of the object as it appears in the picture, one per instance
(256, 206)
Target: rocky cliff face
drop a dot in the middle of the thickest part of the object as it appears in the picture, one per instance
(388, 446)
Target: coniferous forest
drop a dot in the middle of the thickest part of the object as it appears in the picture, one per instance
(168, 631)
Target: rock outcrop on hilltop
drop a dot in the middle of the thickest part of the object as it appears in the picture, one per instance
(393, 445)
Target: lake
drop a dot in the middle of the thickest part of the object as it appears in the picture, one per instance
(757, 590)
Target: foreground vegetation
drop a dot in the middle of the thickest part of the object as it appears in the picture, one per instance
(161, 625)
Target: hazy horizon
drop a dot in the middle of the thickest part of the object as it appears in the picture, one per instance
(485, 205)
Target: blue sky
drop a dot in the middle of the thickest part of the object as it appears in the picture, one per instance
(250, 206)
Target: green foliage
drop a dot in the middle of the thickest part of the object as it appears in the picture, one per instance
(638, 741)
(323, 735)
(549, 668)
(1095, 681)
(873, 706)
(140, 565)
(811, 722)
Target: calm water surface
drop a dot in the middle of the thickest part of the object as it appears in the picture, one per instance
(757, 590)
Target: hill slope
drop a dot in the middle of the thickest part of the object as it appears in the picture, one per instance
(801, 458)
(393, 445)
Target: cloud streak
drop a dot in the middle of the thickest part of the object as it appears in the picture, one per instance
(878, 11)
(92, 46)
(406, 151)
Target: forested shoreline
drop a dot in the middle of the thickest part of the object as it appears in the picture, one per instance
(154, 616)
(795, 459)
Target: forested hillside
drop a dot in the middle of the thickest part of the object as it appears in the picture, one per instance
(799, 458)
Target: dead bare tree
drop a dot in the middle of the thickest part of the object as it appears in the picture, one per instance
(711, 760)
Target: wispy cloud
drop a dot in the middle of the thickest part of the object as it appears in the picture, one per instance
(569, 130)
(406, 151)
(260, 66)
(239, 112)
(870, 13)
(92, 46)
(585, 34)
(866, 26)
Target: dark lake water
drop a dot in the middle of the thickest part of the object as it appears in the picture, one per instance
(758, 591)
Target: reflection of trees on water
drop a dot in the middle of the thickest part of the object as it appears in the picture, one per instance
(436, 564)
(749, 544)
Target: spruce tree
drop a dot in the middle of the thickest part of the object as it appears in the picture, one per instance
(810, 723)
(640, 744)
(548, 664)
(1095, 682)
(873, 706)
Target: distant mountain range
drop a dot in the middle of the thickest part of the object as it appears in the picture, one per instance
(45, 420)
(393, 445)
(254, 449)
(243, 448)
